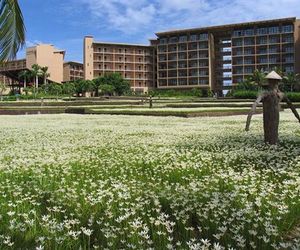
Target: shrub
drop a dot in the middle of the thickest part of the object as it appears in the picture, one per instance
(179, 93)
(244, 94)
(294, 96)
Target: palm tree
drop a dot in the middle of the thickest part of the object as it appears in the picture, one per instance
(36, 72)
(292, 80)
(2, 89)
(12, 32)
(258, 77)
(45, 74)
(25, 74)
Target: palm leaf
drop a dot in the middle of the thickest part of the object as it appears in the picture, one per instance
(12, 29)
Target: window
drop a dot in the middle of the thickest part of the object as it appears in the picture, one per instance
(204, 37)
(249, 41)
(226, 49)
(227, 58)
(173, 82)
(120, 50)
(238, 33)
(182, 38)
(203, 82)
(238, 42)
(193, 46)
(249, 32)
(174, 39)
(193, 37)
(182, 56)
(163, 41)
(248, 51)
(289, 50)
(182, 65)
(289, 69)
(227, 83)
(248, 61)
(105, 49)
(193, 81)
(274, 39)
(120, 67)
(203, 45)
(262, 40)
(288, 39)
(273, 59)
(287, 28)
(262, 31)
(274, 30)
(182, 47)
(289, 59)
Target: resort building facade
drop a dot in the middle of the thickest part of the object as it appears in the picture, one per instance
(45, 55)
(73, 71)
(136, 63)
(214, 58)
(220, 57)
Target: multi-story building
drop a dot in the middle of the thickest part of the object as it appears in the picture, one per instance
(73, 71)
(134, 62)
(220, 57)
(44, 55)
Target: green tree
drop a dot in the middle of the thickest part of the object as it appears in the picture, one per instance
(258, 78)
(44, 73)
(2, 89)
(291, 82)
(36, 73)
(68, 88)
(121, 86)
(12, 32)
(25, 75)
(107, 89)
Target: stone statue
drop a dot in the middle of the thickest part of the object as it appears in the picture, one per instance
(271, 99)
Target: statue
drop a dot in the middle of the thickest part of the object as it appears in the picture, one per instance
(271, 99)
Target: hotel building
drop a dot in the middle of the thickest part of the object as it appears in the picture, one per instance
(44, 55)
(73, 71)
(214, 58)
(220, 57)
(136, 63)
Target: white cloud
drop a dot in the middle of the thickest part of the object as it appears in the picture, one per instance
(144, 16)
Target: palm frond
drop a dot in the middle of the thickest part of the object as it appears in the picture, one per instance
(12, 29)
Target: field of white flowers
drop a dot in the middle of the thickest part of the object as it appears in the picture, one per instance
(119, 182)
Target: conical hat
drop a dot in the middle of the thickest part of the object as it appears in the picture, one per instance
(273, 76)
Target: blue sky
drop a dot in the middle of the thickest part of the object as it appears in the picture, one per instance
(65, 23)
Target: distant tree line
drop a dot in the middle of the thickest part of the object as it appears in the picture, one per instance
(109, 84)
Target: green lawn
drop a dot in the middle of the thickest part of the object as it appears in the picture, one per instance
(135, 182)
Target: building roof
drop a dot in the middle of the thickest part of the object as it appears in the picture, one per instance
(73, 62)
(228, 26)
(122, 44)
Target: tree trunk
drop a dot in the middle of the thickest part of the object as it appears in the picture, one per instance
(271, 117)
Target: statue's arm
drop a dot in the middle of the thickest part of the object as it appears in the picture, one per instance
(292, 107)
(252, 112)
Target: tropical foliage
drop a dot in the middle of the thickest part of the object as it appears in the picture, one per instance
(12, 32)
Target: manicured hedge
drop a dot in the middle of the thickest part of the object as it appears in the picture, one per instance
(245, 94)
(294, 96)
